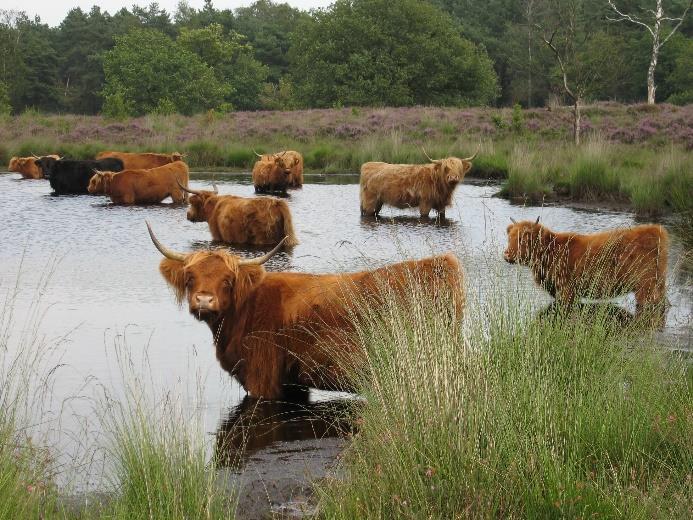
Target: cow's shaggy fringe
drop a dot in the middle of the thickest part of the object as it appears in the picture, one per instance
(515, 416)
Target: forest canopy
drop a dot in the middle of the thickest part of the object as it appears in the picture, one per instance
(353, 53)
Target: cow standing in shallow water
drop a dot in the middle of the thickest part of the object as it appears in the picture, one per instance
(28, 167)
(598, 265)
(143, 186)
(428, 186)
(270, 175)
(242, 220)
(72, 177)
(277, 329)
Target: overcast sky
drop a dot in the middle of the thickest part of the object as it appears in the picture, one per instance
(52, 12)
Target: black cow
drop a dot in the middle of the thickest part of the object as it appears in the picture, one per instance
(69, 176)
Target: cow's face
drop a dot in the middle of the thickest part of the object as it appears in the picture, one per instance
(523, 240)
(273, 171)
(46, 164)
(14, 164)
(100, 182)
(452, 170)
(197, 211)
(212, 282)
(176, 156)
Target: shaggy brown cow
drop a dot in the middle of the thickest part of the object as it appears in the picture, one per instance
(274, 329)
(242, 220)
(428, 186)
(143, 186)
(293, 161)
(598, 265)
(142, 161)
(27, 167)
(270, 175)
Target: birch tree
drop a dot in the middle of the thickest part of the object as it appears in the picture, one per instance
(657, 23)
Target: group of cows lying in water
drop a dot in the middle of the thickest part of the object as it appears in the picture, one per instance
(276, 330)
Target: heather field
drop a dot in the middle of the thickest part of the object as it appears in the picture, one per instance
(637, 155)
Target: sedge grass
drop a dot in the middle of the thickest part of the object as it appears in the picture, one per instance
(514, 417)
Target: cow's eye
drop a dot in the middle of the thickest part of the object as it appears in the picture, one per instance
(189, 281)
(228, 283)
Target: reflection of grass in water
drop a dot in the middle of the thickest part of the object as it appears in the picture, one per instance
(514, 417)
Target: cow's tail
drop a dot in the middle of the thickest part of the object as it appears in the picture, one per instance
(288, 224)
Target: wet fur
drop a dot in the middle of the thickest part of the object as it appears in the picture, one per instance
(426, 186)
(143, 186)
(276, 329)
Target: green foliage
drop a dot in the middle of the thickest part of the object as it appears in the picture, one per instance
(278, 97)
(518, 120)
(680, 80)
(398, 53)
(146, 66)
(115, 106)
(514, 416)
(5, 107)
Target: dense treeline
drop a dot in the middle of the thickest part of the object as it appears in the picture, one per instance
(356, 52)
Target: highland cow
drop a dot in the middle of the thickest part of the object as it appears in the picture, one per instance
(27, 166)
(599, 265)
(426, 186)
(276, 329)
(242, 220)
(142, 161)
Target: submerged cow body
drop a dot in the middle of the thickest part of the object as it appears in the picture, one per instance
(426, 186)
(143, 186)
(67, 176)
(142, 161)
(277, 329)
(242, 220)
(599, 265)
(27, 166)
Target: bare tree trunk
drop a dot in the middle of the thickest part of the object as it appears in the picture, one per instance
(576, 120)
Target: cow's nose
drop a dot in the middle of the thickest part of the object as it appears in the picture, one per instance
(204, 301)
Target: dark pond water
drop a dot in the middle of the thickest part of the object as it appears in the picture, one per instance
(104, 295)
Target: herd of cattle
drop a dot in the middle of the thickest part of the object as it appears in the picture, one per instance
(277, 330)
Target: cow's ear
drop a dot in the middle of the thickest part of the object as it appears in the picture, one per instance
(173, 272)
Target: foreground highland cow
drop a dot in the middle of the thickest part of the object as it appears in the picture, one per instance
(276, 329)
(242, 220)
(142, 186)
(27, 166)
(142, 161)
(599, 265)
(428, 186)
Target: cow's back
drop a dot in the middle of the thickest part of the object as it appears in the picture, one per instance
(137, 161)
(247, 220)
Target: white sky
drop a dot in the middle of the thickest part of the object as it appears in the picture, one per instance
(53, 12)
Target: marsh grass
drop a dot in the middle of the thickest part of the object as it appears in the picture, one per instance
(27, 466)
(158, 452)
(514, 416)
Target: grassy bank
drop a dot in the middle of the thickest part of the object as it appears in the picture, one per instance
(515, 418)
(645, 150)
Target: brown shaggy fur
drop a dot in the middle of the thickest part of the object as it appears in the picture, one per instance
(428, 186)
(27, 166)
(275, 329)
(270, 175)
(598, 265)
(143, 186)
(293, 161)
(142, 161)
(241, 220)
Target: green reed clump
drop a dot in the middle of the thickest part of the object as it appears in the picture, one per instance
(204, 153)
(160, 460)
(527, 175)
(514, 417)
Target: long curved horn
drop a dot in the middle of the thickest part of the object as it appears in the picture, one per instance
(97, 172)
(427, 156)
(262, 259)
(473, 156)
(34, 155)
(513, 220)
(257, 153)
(537, 221)
(168, 253)
(186, 189)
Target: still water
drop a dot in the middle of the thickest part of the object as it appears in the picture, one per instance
(91, 270)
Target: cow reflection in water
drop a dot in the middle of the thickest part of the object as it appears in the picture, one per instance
(255, 424)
